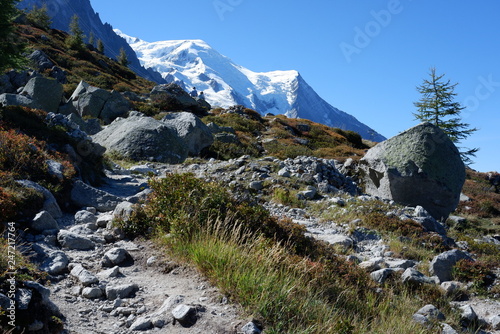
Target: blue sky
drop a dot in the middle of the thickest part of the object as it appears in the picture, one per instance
(364, 57)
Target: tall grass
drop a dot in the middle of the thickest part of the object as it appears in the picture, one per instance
(287, 293)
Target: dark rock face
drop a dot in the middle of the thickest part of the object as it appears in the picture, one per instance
(420, 166)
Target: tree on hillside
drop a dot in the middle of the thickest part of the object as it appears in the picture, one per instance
(122, 58)
(100, 46)
(438, 106)
(39, 17)
(10, 48)
(91, 39)
(75, 39)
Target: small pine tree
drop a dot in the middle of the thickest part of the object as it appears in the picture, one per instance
(39, 17)
(11, 49)
(122, 58)
(91, 38)
(75, 39)
(437, 106)
(100, 46)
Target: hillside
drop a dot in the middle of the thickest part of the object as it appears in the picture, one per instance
(266, 230)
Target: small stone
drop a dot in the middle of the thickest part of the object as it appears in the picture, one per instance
(44, 221)
(110, 273)
(115, 256)
(83, 275)
(121, 291)
(468, 315)
(72, 240)
(85, 217)
(141, 324)
(181, 312)
(151, 261)
(256, 185)
(92, 292)
(251, 328)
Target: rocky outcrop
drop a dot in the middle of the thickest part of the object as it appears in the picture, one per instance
(98, 103)
(419, 167)
(143, 138)
(195, 134)
(39, 93)
(172, 97)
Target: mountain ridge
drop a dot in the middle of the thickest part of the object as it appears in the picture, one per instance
(194, 63)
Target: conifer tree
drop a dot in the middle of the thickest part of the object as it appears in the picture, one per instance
(122, 58)
(100, 46)
(438, 106)
(75, 39)
(39, 17)
(91, 38)
(10, 48)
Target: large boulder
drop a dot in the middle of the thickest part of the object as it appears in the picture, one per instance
(98, 103)
(195, 134)
(172, 97)
(420, 166)
(143, 138)
(46, 93)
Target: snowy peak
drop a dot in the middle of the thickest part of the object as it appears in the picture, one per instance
(194, 63)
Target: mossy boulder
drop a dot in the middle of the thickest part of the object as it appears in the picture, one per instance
(420, 166)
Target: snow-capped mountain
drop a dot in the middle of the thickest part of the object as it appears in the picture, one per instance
(193, 63)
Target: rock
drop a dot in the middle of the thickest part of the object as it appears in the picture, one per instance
(195, 134)
(115, 256)
(72, 240)
(450, 287)
(50, 204)
(337, 239)
(110, 273)
(431, 312)
(284, 172)
(256, 185)
(175, 98)
(83, 195)
(123, 211)
(45, 93)
(23, 298)
(116, 106)
(413, 276)
(447, 329)
(55, 263)
(98, 103)
(35, 326)
(181, 312)
(468, 315)
(495, 322)
(372, 265)
(45, 295)
(420, 166)
(381, 275)
(141, 324)
(41, 60)
(442, 264)
(121, 291)
(85, 217)
(15, 100)
(251, 328)
(83, 275)
(143, 138)
(44, 221)
(55, 169)
(309, 193)
(92, 292)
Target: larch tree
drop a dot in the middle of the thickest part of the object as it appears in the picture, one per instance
(437, 105)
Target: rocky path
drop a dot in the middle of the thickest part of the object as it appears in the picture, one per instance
(119, 286)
